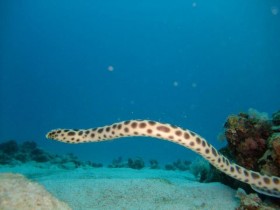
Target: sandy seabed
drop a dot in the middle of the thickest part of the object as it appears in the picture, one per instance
(128, 189)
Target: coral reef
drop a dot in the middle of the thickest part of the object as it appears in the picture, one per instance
(17, 192)
(253, 141)
(170, 167)
(154, 164)
(247, 138)
(136, 163)
(182, 165)
(269, 163)
(252, 202)
(201, 169)
(178, 165)
(118, 163)
(276, 118)
(12, 153)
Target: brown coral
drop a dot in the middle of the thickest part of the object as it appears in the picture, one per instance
(275, 144)
(247, 136)
(270, 162)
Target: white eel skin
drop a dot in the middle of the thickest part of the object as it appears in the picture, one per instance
(269, 185)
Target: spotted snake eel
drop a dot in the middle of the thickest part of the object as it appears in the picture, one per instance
(269, 185)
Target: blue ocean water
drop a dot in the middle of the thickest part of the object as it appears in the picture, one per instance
(82, 64)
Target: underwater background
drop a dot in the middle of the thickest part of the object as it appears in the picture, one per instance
(82, 64)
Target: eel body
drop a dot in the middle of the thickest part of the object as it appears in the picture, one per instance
(269, 185)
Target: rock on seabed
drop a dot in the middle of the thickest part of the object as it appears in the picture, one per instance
(17, 192)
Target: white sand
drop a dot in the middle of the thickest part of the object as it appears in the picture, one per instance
(128, 189)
